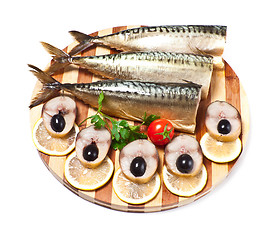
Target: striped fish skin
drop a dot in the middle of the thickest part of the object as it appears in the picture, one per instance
(204, 39)
(152, 66)
(131, 99)
(142, 66)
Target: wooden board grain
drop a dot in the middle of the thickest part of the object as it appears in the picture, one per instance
(225, 85)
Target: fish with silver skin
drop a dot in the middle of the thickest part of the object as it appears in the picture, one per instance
(131, 99)
(142, 66)
(205, 39)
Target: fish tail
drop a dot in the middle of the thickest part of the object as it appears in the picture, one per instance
(84, 40)
(50, 87)
(61, 58)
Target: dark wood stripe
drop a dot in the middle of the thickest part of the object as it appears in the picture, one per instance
(168, 198)
(45, 158)
(232, 95)
(231, 165)
(232, 87)
(118, 29)
(112, 155)
(115, 30)
(104, 194)
(84, 76)
(200, 131)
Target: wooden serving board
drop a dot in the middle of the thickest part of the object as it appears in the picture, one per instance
(225, 85)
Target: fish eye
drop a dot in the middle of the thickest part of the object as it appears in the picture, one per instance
(139, 160)
(183, 156)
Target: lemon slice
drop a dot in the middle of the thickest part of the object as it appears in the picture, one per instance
(185, 186)
(56, 146)
(135, 193)
(85, 178)
(220, 152)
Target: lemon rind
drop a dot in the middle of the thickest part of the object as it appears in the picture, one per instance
(136, 201)
(47, 151)
(79, 186)
(222, 159)
(190, 193)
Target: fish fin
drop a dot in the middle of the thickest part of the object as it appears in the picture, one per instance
(80, 37)
(43, 96)
(61, 58)
(84, 40)
(50, 88)
(195, 49)
(200, 51)
(42, 76)
(56, 66)
(193, 83)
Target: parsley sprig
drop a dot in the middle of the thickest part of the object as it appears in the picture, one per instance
(122, 133)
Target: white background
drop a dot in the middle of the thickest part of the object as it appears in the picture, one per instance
(34, 205)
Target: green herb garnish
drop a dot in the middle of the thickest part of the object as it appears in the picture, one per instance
(122, 133)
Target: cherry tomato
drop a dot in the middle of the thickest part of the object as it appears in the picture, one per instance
(161, 131)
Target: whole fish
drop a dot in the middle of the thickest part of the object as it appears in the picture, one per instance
(143, 66)
(130, 99)
(205, 39)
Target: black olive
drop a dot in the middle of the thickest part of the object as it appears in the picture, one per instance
(138, 166)
(90, 152)
(185, 163)
(224, 127)
(58, 123)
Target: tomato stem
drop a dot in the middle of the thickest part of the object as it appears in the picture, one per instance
(165, 133)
